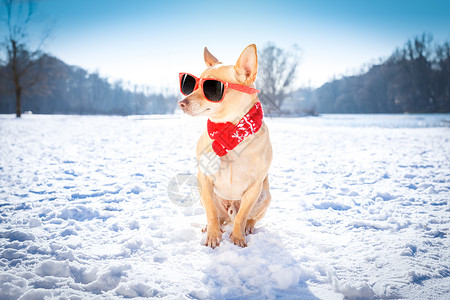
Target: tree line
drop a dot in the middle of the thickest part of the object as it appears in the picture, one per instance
(63, 89)
(414, 79)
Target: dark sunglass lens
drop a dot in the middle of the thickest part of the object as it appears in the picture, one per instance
(213, 90)
(187, 84)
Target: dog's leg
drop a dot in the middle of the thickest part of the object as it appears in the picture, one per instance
(249, 199)
(260, 208)
(213, 233)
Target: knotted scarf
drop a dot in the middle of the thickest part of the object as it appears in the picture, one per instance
(227, 136)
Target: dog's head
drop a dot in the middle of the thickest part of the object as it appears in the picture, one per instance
(234, 102)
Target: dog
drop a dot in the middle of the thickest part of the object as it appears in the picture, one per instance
(234, 153)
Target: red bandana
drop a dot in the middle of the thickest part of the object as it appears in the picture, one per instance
(227, 136)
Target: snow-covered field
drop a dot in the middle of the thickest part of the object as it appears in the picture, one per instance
(360, 210)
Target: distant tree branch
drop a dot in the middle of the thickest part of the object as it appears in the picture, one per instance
(20, 61)
(276, 75)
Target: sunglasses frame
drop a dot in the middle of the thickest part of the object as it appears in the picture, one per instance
(226, 85)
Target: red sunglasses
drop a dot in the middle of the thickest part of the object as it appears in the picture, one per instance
(213, 90)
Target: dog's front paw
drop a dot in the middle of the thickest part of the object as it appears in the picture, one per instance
(213, 238)
(238, 239)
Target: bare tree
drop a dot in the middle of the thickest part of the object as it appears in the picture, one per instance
(276, 74)
(20, 63)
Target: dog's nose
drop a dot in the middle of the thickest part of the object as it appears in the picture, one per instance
(183, 103)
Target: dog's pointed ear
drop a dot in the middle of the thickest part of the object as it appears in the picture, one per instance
(247, 65)
(210, 59)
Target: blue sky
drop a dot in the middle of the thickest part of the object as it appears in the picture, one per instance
(149, 42)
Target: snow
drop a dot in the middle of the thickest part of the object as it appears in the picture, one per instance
(105, 207)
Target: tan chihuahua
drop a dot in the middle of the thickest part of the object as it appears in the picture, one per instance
(234, 153)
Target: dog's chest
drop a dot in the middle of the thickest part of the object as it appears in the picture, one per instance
(233, 177)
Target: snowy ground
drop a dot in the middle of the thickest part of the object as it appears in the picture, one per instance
(360, 210)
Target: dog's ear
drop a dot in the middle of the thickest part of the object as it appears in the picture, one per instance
(210, 60)
(247, 65)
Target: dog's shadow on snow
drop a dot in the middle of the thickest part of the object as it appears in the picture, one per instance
(262, 270)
